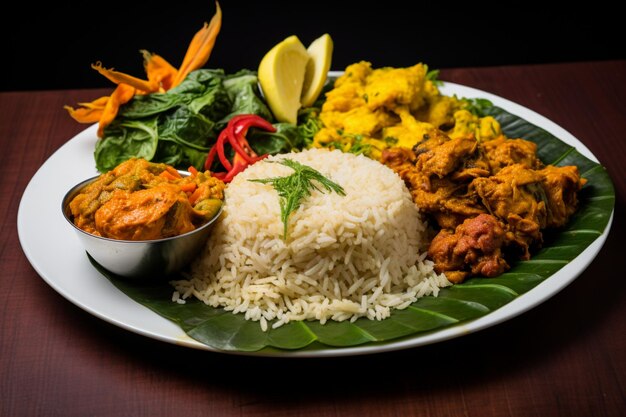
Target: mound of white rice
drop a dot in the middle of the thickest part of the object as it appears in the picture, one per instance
(345, 257)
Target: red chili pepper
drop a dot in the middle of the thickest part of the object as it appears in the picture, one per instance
(239, 164)
(235, 133)
(238, 128)
(218, 149)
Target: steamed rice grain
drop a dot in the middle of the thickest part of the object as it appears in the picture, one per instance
(345, 257)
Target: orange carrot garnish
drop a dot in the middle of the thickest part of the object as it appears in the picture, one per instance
(162, 76)
(200, 47)
(98, 103)
(173, 171)
(119, 77)
(192, 170)
(189, 187)
(159, 71)
(168, 176)
(195, 196)
(88, 112)
(84, 115)
(122, 94)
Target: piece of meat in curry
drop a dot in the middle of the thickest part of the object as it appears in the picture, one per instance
(490, 199)
(141, 200)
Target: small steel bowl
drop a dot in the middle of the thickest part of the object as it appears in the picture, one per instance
(141, 259)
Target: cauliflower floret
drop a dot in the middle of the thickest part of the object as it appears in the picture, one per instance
(466, 123)
(392, 87)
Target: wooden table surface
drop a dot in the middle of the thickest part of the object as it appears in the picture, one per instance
(566, 357)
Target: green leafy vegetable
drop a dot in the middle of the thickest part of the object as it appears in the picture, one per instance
(126, 139)
(296, 187)
(433, 75)
(179, 127)
(309, 124)
(475, 298)
(287, 138)
(243, 92)
(147, 105)
(477, 106)
(359, 147)
(182, 137)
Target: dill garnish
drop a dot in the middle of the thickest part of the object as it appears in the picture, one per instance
(297, 186)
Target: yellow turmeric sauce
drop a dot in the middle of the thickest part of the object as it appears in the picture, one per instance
(141, 200)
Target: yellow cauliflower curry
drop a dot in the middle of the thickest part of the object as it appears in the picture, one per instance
(141, 200)
(369, 110)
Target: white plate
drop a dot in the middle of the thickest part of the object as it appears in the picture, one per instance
(56, 254)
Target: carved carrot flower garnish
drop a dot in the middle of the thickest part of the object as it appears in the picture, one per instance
(162, 76)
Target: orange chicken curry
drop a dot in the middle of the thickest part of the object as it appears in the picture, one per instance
(141, 200)
(490, 199)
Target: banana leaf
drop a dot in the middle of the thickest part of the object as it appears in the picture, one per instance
(454, 305)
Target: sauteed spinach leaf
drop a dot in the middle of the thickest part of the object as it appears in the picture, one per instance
(180, 126)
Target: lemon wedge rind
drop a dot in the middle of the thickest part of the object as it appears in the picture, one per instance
(320, 52)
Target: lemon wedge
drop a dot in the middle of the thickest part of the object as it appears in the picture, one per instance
(281, 75)
(320, 51)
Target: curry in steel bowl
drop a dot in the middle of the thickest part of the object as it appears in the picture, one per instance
(141, 200)
(144, 220)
